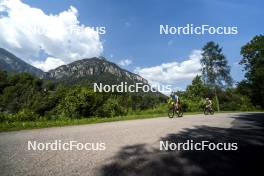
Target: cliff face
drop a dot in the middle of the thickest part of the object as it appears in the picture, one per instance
(88, 71)
(94, 69)
(84, 72)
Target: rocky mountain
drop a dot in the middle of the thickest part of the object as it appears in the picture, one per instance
(94, 70)
(90, 70)
(11, 63)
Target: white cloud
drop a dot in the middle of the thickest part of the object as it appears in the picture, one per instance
(48, 64)
(26, 30)
(173, 73)
(125, 62)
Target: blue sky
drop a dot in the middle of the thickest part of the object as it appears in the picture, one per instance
(132, 28)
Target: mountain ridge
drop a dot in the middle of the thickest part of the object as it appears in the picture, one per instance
(89, 70)
(11, 63)
(98, 67)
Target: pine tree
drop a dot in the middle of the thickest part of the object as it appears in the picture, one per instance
(215, 68)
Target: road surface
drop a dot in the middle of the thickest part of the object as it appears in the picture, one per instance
(133, 147)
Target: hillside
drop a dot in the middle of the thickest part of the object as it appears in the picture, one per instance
(93, 70)
(10, 63)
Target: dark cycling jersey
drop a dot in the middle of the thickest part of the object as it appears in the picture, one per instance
(175, 98)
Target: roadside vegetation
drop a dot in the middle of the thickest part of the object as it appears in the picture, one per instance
(29, 102)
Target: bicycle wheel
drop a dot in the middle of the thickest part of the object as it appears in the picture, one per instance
(180, 113)
(205, 111)
(171, 112)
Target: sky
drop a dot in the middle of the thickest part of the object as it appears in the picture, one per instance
(50, 33)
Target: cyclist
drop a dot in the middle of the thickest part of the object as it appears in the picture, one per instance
(174, 98)
(208, 103)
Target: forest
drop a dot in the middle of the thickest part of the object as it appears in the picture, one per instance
(24, 97)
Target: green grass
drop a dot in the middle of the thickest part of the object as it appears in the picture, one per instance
(14, 126)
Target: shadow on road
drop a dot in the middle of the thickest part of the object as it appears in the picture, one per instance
(247, 131)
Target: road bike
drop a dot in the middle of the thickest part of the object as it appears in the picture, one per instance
(208, 110)
(173, 110)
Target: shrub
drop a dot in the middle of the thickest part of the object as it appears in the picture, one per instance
(25, 115)
(3, 118)
(111, 108)
(80, 102)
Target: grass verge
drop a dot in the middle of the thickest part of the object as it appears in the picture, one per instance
(14, 126)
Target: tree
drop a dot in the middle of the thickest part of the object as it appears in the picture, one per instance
(253, 61)
(3, 80)
(197, 88)
(215, 68)
(21, 92)
(80, 102)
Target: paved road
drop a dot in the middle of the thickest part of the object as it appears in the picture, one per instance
(132, 147)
